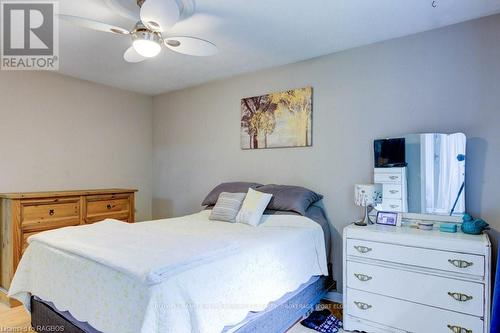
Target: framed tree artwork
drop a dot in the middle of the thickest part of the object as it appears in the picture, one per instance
(277, 120)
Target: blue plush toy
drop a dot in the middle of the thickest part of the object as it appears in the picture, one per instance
(473, 226)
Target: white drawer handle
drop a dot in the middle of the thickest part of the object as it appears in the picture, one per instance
(394, 206)
(460, 297)
(362, 277)
(460, 263)
(393, 191)
(393, 177)
(362, 306)
(362, 249)
(458, 329)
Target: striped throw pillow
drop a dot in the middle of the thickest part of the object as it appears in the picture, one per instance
(227, 207)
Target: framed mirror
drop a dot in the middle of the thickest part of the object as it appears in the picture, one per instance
(422, 174)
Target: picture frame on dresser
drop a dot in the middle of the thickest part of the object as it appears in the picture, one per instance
(389, 218)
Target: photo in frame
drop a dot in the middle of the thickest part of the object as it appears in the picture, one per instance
(389, 218)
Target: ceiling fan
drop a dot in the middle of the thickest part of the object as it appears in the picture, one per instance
(156, 17)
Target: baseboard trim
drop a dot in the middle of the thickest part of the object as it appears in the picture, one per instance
(334, 296)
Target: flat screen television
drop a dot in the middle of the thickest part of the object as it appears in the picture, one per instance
(389, 153)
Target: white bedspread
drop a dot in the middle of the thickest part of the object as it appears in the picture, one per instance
(244, 268)
(149, 252)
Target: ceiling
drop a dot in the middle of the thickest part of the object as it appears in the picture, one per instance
(251, 35)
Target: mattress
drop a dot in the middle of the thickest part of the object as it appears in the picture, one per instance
(274, 259)
(276, 318)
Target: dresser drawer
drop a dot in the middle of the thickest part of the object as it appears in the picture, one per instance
(407, 316)
(98, 218)
(392, 205)
(435, 259)
(49, 214)
(385, 178)
(451, 294)
(108, 206)
(390, 191)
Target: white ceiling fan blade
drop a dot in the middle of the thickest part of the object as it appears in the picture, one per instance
(127, 9)
(160, 15)
(94, 25)
(191, 46)
(132, 56)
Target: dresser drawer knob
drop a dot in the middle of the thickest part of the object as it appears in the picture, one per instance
(51, 212)
(362, 306)
(460, 263)
(362, 277)
(362, 249)
(460, 297)
(109, 206)
(458, 329)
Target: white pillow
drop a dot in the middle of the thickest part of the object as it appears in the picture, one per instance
(253, 207)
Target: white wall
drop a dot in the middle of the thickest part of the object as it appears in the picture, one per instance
(445, 80)
(60, 133)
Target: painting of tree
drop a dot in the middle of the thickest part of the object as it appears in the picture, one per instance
(277, 120)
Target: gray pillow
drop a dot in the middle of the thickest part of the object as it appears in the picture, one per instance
(234, 187)
(290, 198)
(227, 207)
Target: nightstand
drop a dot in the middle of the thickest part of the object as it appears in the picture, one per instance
(401, 279)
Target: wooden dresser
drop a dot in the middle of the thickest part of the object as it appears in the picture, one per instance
(25, 214)
(400, 279)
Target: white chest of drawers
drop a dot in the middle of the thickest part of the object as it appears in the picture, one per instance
(394, 189)
(410, 280)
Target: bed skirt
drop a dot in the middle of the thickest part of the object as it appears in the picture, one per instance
(283, 314)
(279, 316)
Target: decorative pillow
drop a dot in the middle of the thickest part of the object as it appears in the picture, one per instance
(253, 207)
(227, 207)
(290, 198)
(234, 187)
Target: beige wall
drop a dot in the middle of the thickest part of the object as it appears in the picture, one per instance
(60, 133)
(445, 80)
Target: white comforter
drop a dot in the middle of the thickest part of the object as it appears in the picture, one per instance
(149, 252)
(212, 280)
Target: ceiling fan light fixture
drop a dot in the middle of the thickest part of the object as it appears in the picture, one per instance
(147, 48)
(147, 43)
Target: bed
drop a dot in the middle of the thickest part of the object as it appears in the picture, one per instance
(259, 279)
